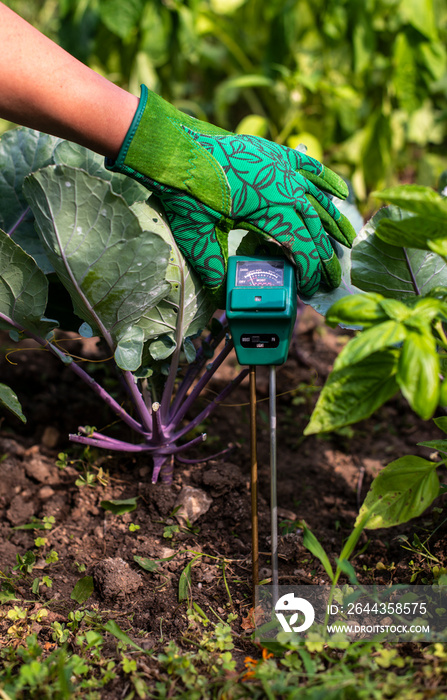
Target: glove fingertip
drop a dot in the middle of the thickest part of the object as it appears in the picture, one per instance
(336, 182)
(347, 230)
(331, 272)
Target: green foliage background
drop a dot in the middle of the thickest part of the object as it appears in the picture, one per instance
(362, 82)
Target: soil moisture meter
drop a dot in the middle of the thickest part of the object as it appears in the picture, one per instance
(261, 308)
(261, 312)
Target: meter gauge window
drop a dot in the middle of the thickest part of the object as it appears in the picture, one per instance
(260, 273)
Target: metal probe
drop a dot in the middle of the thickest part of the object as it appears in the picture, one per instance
(273, 481)
(254, 484)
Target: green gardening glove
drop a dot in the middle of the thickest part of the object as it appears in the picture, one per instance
(211, 181)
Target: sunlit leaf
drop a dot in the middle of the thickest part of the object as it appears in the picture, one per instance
(355, 392)
(402, 490)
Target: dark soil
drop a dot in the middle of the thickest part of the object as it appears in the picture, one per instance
(321, 480)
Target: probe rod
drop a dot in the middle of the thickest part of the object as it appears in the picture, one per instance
(254, 483)
(273, 481)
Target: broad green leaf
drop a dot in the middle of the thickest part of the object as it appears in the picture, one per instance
(399, 273)
(8, 399)
(380, 337)
(417, 199)
(361, 309)
(68, 153)
(415, 232)
(186, 309)
(118, 507)
(113, 269)
(395, 309)
(354, 393)
(426, 309)
(23, 290)
(418, 373)
(82, 590)
(402, 490)
(21, 152)
(313, 545)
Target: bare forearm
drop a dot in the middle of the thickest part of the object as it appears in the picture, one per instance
(43, 87)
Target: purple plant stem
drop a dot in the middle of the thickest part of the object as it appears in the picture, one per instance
(138, 400)
(159, 462)
(191, 373)
(105, 396)
(194, 369)
(158, 433)
(175, 359)
(18, 222)
(167, 470)
(170, 383)
(169, 450)
(213, 341)
(187, 403)
(205, 413)
(115, 445)
(100, 436)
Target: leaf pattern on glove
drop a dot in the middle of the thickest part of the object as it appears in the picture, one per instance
(267, 195)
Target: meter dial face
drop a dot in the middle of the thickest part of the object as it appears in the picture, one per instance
(260, 273)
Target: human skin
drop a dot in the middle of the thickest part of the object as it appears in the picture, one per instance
(45, 88)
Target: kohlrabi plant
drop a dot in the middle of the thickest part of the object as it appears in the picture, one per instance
(68, 223)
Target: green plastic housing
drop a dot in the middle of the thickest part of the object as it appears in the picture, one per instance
(261, 308)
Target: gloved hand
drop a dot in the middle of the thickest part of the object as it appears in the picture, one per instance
(211, 181)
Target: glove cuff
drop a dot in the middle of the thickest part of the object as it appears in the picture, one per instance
(158, 149)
